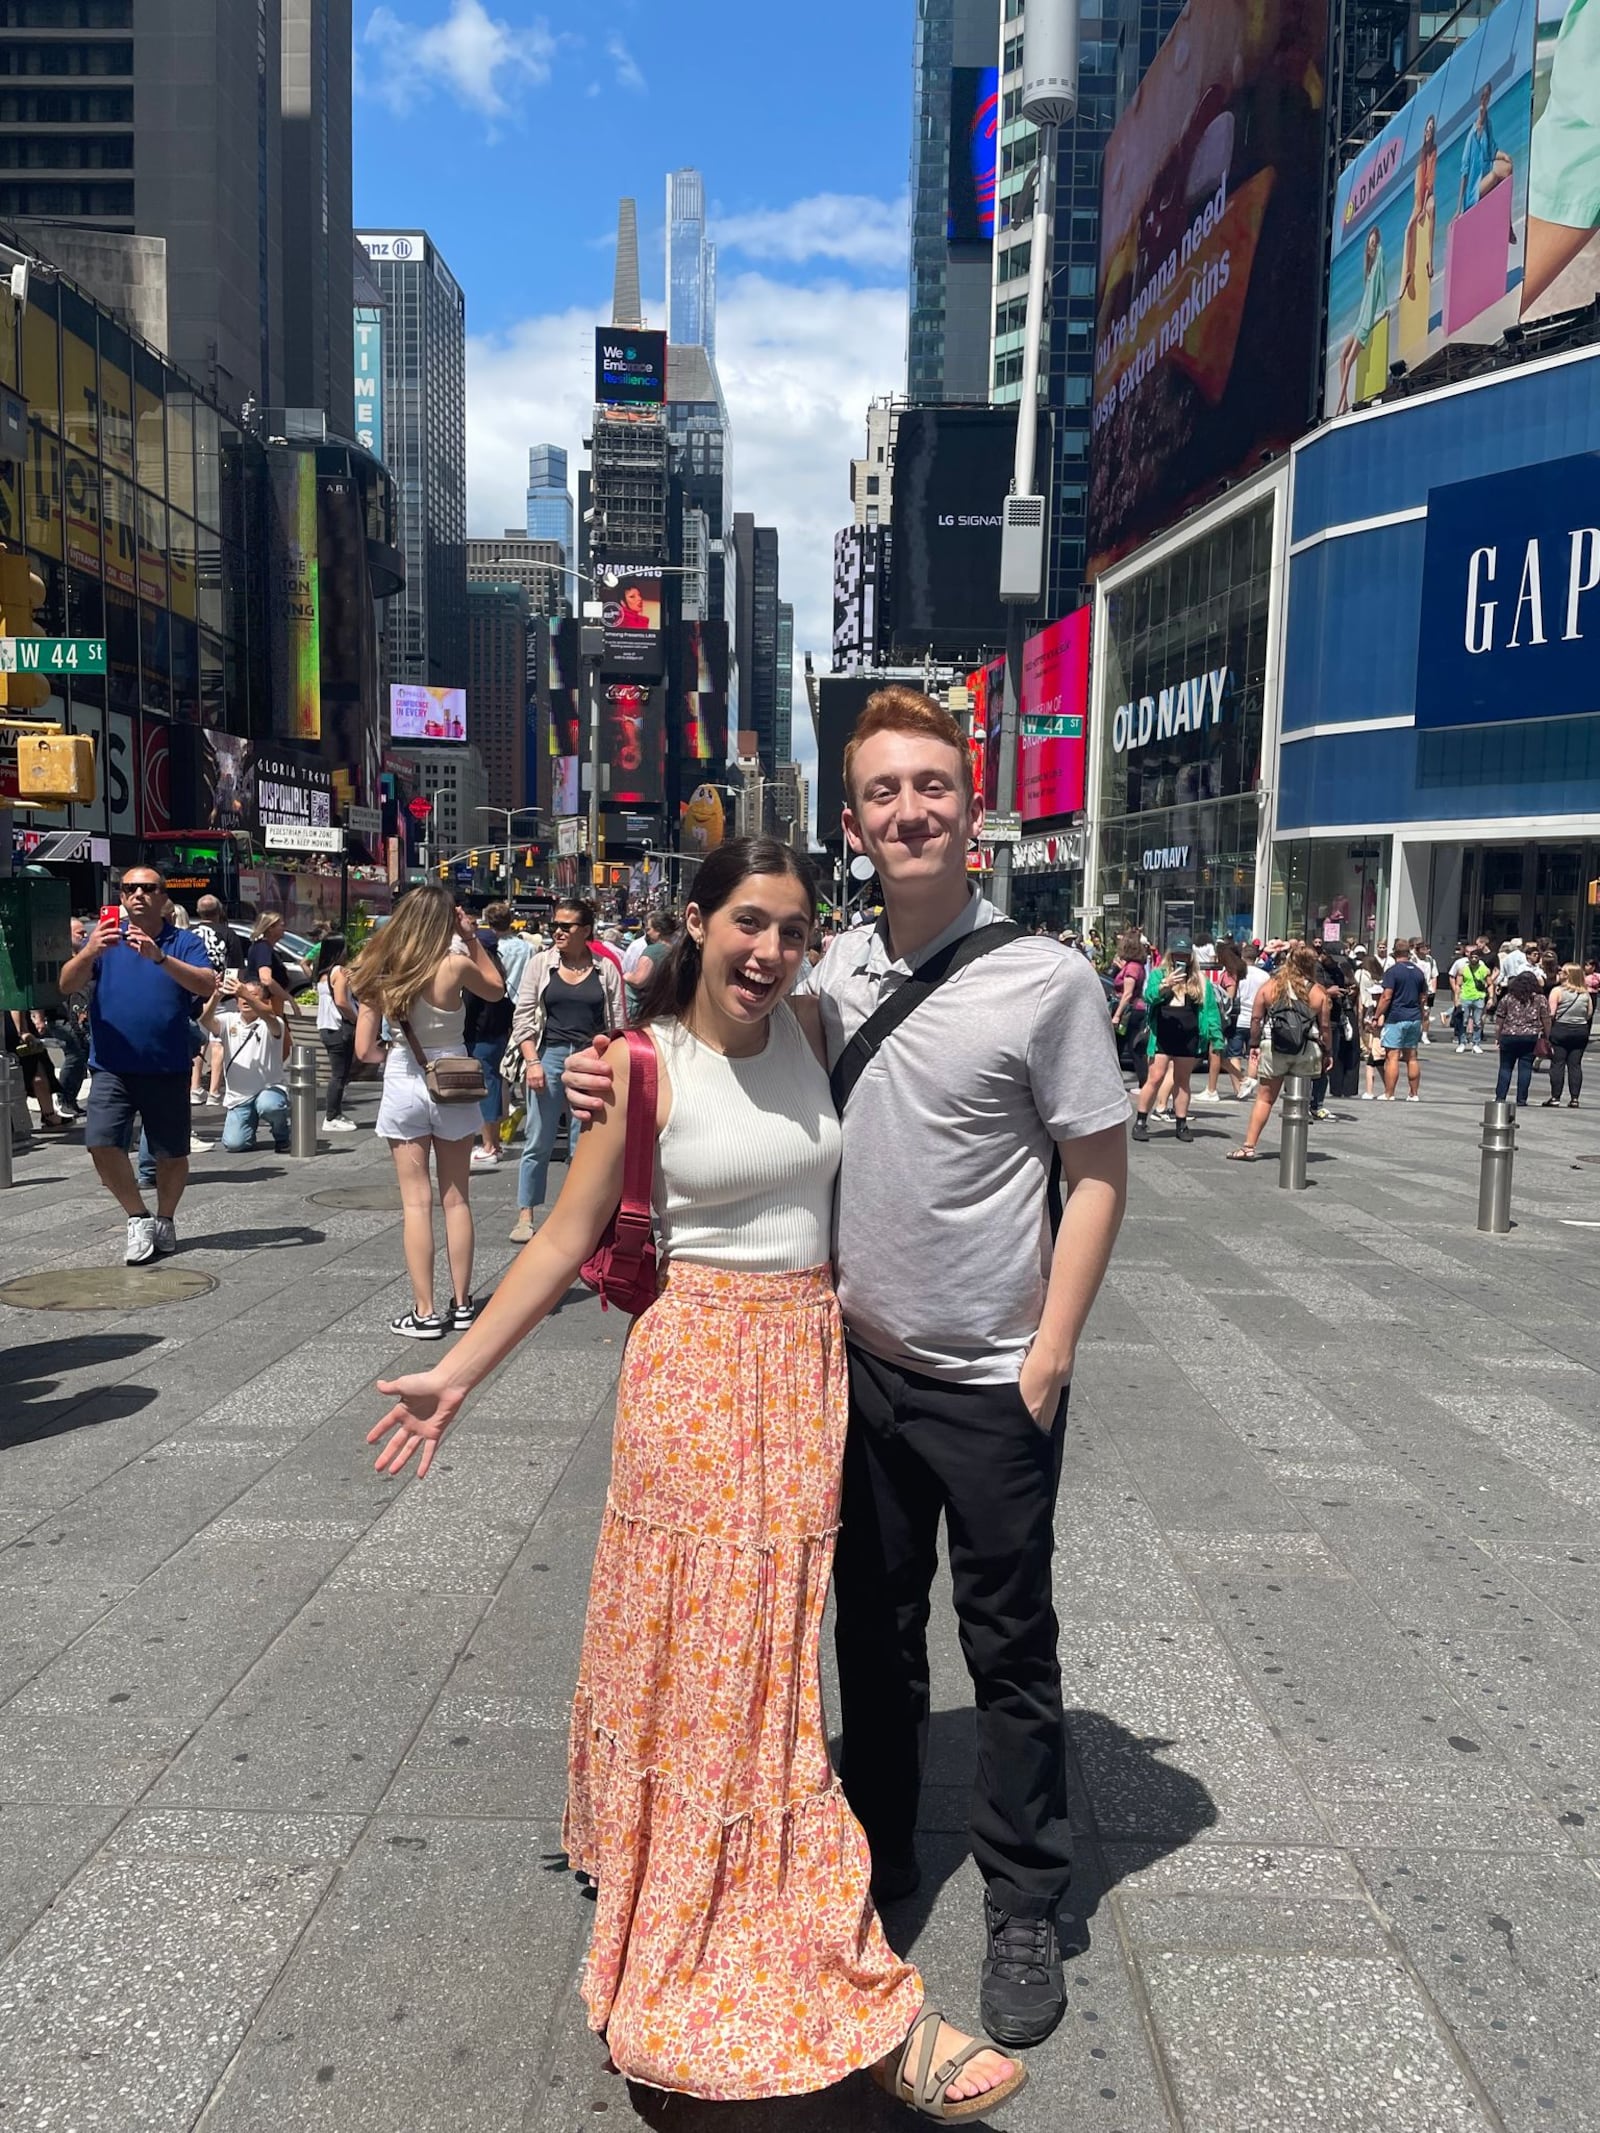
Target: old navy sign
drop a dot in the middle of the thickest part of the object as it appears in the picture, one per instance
(1510, 619)
(1184, 707)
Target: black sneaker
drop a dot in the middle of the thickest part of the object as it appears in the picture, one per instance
(417, 1328)
(1022, 1992)
(1185, 1130)
(462, 1314)
(1141, 1129)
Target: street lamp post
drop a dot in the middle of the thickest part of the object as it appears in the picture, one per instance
(1049, 99)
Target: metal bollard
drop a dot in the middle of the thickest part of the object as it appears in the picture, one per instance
(6, 1070)
(1499, 1146)
(303, 1100)
(1296, 1133)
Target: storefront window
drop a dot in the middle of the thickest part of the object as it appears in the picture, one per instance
(116, 398)
(1330, 888)
(149, 423)
(180, 451)
(1182, 707)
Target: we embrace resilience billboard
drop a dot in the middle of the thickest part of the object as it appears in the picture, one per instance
(1477, 206)
(1206, 306)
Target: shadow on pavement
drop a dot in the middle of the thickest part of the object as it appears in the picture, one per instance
(38, 1366)
(257, 1240)
(224, 1174)
(85, 1410)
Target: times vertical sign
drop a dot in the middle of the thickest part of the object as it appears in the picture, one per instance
(369, 379)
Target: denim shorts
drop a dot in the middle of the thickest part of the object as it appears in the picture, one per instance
(161, 1102)
(1401, 1036)
(1239, 1041)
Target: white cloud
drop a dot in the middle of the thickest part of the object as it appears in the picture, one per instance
(798, 366)
(855, 229)
(480, 59)
(629, 73)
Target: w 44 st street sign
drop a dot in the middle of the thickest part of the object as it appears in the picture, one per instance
(52, 655)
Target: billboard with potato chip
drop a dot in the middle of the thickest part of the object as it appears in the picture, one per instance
(1206, 302)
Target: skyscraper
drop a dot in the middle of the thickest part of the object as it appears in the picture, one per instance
(425, 449)
(497, 691)
(691, 265)
(756, 632)
(783, 718)
(550, 514)
(951, 259)
(188, 162)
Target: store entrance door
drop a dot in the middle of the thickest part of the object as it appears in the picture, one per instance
(1177, 922)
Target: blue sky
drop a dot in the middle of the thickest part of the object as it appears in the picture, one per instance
(509, 131)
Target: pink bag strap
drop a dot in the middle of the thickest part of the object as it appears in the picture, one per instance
(634, 1215)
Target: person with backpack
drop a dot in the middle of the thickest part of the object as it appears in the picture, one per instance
(487, 1027)
(1522, 1018)
(1291, 1023)
(1184, 1027)
(1571, 1019)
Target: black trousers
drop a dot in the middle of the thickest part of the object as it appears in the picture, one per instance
(918, 1448)
(1567, 1047)
(340, 1046)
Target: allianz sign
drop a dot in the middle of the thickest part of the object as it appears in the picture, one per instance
(1509, 622)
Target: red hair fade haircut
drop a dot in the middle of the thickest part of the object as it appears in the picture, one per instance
(901, 710)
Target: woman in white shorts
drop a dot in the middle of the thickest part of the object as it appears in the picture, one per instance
(414, 973)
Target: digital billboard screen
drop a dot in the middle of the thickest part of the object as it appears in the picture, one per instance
(1206, 303)
(974, 133)
(952, 474)
(633, 737)
(418, 713)
(630, 366)
(1052, 750)
(1429, 220)
(630, 618)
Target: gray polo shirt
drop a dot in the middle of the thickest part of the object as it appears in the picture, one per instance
(942, 1235)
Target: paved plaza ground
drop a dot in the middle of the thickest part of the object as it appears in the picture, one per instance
(282, 1744)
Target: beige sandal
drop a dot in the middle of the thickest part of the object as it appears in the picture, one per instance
(922, 2084)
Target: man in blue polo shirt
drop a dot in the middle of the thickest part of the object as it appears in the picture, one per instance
(147, 979)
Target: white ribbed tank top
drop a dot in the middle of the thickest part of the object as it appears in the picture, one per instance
(745, 1167)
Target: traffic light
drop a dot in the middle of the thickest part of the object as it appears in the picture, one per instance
(444, 871)
(472, 861)
(21, 593)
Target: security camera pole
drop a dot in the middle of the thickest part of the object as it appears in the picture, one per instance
(1049, 98)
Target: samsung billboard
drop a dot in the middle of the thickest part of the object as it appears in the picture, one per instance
(1206, 305)
(952, 474)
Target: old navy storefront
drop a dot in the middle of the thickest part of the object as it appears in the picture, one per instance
(1440, 742)
(1184, 642)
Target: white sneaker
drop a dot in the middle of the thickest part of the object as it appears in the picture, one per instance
(1413, 1099)
(1367, 1096)
(1426, 1038)
(1477, 1051)
(1460, 1048)
(1205, 1096)
(141, 1240)
(484, 1159)
(1248, 1088)
(338, 1125)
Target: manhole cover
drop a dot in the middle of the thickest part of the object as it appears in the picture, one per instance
(380, 1197)
(105, 1288)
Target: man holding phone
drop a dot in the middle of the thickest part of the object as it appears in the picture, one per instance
(147, 980)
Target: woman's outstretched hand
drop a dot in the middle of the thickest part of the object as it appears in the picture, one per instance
(423, 1410)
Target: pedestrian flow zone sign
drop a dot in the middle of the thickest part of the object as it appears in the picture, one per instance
(52, 655)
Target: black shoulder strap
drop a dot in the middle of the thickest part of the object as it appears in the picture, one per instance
(869, 1039)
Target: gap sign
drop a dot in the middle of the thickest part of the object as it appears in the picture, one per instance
(1510, 618)
(52, 655)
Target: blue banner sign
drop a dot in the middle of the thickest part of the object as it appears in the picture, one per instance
(1510, 623)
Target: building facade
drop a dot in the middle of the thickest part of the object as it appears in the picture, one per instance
(783, 720)
(188, 162)
(497, 692)
(702, 461)
(538, 567)
(424, 448)
(1183, 718)
(756, 632)
(1438, 767)
(951, 270)
(691, 265)
(871, 479)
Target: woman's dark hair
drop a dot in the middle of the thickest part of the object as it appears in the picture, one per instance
(580, 904)
(670, 989)
(1230, 960)
(330, 954)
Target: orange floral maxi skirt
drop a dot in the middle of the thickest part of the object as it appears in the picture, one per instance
(736, 1951)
